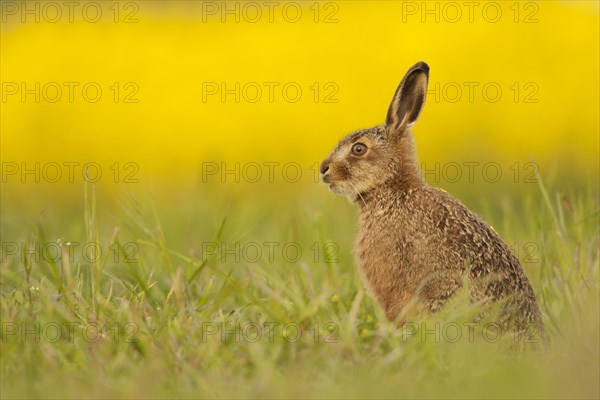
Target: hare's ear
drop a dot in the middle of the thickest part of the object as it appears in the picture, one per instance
(409, 99)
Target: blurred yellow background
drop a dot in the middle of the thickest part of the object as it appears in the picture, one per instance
(161, 67)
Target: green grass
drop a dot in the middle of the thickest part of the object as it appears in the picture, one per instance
(162, 309)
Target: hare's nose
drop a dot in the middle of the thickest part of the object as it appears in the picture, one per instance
(324, 167)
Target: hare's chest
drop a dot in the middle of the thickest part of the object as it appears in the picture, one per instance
(384, 250)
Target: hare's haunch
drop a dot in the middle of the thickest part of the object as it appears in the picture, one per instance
(416, 243)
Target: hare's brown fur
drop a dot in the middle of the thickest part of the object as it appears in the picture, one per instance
(416, 243)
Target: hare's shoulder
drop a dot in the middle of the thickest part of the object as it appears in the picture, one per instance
(452, 217)
(470, 235)
(439, 205)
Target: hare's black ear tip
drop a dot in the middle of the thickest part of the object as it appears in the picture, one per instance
(422, 65)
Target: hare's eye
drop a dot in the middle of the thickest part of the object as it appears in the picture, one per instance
(359, 149)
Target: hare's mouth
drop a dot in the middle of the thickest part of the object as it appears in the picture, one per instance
(335, 187)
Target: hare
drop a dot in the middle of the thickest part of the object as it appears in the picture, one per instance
(416, 244)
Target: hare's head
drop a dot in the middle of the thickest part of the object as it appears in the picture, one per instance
(369, 158)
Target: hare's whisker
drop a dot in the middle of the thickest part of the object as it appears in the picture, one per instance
(356, 190)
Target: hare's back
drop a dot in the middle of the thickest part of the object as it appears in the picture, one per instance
(459, 230)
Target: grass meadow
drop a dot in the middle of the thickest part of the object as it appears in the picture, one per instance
(214, 295)
(165, 234)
